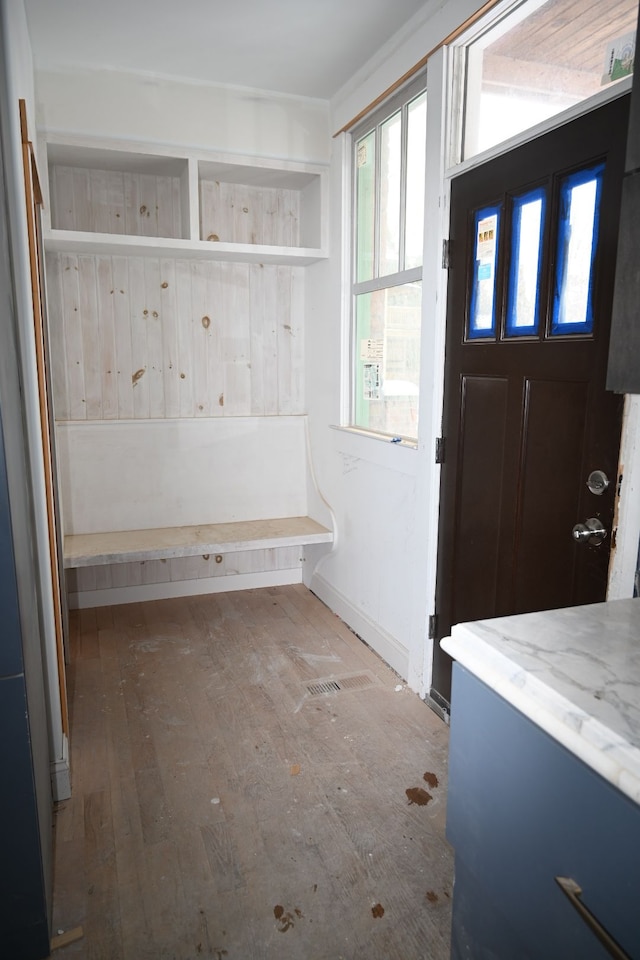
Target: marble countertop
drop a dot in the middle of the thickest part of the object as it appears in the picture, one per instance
(574, 672)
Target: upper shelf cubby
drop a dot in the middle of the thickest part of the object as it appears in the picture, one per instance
(113, 192)
(138, 201)
(259, 205)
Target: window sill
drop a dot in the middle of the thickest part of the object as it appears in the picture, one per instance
(381, 437)
(354, 444)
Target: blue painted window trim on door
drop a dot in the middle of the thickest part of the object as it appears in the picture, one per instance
(479, 268)
(512, 328)
(558, 327)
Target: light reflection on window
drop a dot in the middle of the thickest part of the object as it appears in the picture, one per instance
(482, 312)
(577, 239)
(540, 59)
(388, 359)
(416, 139)
(365, 205)
(524, 274)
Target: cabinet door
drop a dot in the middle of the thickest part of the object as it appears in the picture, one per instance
(521, 811)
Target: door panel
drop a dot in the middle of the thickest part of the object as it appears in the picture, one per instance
(526, 416)
(483, 425)
(551, 444)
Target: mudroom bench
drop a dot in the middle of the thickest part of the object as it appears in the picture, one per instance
(156, 509)
(167, 543)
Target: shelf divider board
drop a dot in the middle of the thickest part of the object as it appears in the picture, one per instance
(191, 208)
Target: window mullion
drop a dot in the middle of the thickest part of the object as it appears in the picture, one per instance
(376, 211)
(391, 280)
(403, 186)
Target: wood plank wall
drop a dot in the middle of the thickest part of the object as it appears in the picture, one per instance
(241, 214)
(111, 201)
(134, 338)
(116, 575)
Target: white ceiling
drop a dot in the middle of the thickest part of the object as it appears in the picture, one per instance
(305, 47)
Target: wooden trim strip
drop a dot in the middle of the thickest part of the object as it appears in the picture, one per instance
(31, 195)
(387, 93)
(64, 939)
(485, 8)
(24, 130)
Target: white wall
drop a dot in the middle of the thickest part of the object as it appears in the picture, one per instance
(135, 474)
(125, 106)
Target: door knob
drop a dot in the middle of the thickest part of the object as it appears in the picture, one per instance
(591, 531)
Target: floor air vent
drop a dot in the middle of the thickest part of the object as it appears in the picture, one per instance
(355, 682)
(324, 686)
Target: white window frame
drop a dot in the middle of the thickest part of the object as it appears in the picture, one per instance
(374, 119)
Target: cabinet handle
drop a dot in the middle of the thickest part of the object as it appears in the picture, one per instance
(573, 890)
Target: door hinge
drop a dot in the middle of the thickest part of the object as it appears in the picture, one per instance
(433, 626)
(446, 254)
(439, 449)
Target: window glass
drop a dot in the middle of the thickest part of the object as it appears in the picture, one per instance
(388, 363)
(527, 225)
(538, 59)
(389, 172)
(365, 205)
(577, 239)
(416, 139)
(482, 309)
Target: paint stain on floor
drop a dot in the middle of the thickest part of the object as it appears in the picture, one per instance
(418, 796)
(285, 918)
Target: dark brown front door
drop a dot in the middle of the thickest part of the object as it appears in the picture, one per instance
(526, 417)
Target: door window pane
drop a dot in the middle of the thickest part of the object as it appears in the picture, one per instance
(527, 225)
(388, 360)
(390, 169)
(482, 309)
(416, 140)
(365, 206)
(577, 239)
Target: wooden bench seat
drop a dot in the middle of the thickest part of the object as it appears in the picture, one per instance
(163, 543)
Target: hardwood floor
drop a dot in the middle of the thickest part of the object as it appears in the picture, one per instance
(225, 807)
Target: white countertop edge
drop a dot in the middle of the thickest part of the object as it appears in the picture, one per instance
(583, 736)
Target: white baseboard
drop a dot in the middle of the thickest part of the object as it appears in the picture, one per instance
(61, 774)
(382, 642)
(183, 588)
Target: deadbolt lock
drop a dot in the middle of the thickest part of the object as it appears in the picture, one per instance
(591, 531)
(597, 482)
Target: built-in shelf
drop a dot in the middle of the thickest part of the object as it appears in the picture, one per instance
(122, 199)
(78, 242)
(127, 546)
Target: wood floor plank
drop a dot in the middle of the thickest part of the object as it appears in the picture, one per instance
(103, 909)
(223, 808)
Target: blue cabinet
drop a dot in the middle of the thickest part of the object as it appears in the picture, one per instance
(523, 810)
